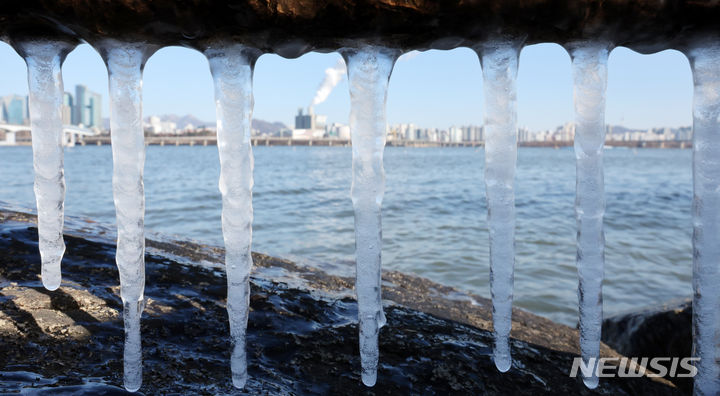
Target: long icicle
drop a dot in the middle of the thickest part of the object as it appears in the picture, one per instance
(369, 70)
(125, 62)
(705, 63)
(44, 60)
(499, 61)
(589, 63)
(231, 66)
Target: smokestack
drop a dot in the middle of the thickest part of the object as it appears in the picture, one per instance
(333, 75)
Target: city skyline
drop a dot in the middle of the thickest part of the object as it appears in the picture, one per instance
(84, 108)
(433, 88)
(309, 125)
(304, 126)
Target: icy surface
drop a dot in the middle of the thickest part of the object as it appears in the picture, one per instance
(705, 62)
(45, 86)
(369, 70)
(589, 64)
(125, 62)
(232, 70)
(499, 61)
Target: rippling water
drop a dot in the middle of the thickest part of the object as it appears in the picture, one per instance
(433, 214)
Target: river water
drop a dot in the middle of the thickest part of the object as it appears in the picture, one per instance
(434, 213)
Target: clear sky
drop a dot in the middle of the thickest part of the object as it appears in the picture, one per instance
(431, 89)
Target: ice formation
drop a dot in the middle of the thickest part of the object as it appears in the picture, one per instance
(369, 70)
(589, 65)
(231, 66)
(125, 62)
(705, 61)
(499, 61)
(44, 60)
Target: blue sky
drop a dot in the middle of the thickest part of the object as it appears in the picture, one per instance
(430, 89)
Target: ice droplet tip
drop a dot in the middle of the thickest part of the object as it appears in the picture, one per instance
(239, 382)
(132, 387)
(503, 365)
(591, 382)
(369, 379)
(51, 284)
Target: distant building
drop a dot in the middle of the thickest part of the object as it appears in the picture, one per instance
(68, 108)
(309, 126)
(156, 125)
(87, 107)
(304, 121)
(15, 110)
(684, 133)
(472, 133)
(455, 134)
(340, 131)
(523, 134)
(403, 132)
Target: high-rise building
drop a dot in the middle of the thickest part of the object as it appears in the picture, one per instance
(78, 110)
(68, 109)
(309, 125)
(455, 134)
(15, 110)
(87, 107)
(95, 110)
(304, 121)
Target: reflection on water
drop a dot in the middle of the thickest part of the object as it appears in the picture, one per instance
(433, 214)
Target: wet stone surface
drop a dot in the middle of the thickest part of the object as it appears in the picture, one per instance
(664, 330)
(302, 334)
(291, 28)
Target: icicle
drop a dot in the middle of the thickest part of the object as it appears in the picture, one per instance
(231, 66)
(705, 62)
(499, 61)
(589, 62)
(125, 62)
(369, 70)
(44, 60)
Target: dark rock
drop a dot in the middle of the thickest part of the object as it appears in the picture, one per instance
(660, 331)
(293, 27)
(302, 335)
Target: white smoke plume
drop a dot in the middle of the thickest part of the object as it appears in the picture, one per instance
(333, 75)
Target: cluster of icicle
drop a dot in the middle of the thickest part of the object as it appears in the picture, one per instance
(369, 69)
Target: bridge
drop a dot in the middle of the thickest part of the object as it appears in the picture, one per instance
(70, 134)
